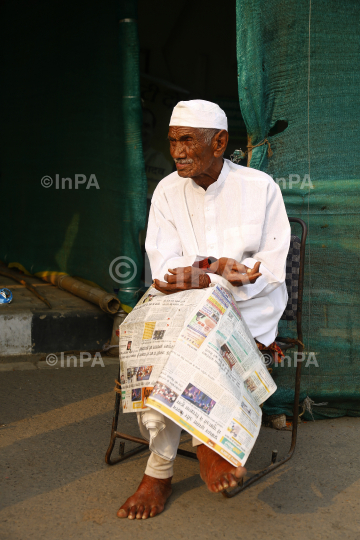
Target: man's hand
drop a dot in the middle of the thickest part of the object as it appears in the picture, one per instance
(182, 279)
(234, 272)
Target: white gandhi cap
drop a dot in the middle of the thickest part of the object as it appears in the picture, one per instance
(198, 113)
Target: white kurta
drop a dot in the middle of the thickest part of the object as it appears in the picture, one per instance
(242, 216)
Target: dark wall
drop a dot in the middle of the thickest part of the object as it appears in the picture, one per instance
(190, 46)
(61, 114)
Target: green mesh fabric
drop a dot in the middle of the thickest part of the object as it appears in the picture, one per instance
(315, 89)
(70, 104)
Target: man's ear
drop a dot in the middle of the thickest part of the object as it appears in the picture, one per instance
(220, 142)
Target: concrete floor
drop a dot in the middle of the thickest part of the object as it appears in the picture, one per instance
(55, 484)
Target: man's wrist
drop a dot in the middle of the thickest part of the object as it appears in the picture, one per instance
(213, 268)
(204, 264)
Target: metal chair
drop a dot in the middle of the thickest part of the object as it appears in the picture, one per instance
(293, 311)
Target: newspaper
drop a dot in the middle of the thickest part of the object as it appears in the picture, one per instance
(191, 356)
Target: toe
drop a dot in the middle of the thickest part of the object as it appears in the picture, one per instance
(213, 488)
(154, 511)
(122, 513)
(132, 512)
(146, 512)
(233, 481)
(239, 472)
(219, 486)
(140, 512)
(224, 483)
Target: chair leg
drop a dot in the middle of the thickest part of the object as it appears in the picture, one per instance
(113, 430)
(275, 464)
(143, 444)
(186, 453)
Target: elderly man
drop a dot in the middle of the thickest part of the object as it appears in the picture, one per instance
(211, 222)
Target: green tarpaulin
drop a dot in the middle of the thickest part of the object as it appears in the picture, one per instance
(298, 62)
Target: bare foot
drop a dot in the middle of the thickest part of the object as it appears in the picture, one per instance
(148, 500)
(217, 473)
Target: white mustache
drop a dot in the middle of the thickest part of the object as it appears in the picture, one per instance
(183, 161)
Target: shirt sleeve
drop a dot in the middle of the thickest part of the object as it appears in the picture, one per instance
(163, 245)
(272, 253)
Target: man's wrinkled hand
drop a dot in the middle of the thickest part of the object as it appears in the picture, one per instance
(182, 279)
(234, 272)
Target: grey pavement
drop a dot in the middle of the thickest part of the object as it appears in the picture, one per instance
(55, 484)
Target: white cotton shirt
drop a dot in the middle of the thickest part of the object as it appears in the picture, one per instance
(241, 216)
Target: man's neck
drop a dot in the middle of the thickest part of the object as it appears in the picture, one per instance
(209, 176)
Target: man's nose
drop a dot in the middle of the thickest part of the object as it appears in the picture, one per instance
(178, 150)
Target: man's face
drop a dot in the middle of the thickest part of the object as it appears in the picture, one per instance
(192, 155)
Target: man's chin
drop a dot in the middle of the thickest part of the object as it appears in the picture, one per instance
(183, 173)
(186, 172)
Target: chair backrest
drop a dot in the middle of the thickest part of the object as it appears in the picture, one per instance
(295, 275)
(292, 279)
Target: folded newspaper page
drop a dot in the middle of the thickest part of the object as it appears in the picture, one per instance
(191, 356)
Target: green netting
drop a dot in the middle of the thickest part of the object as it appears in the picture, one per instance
(70, 104)
(314, 86)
